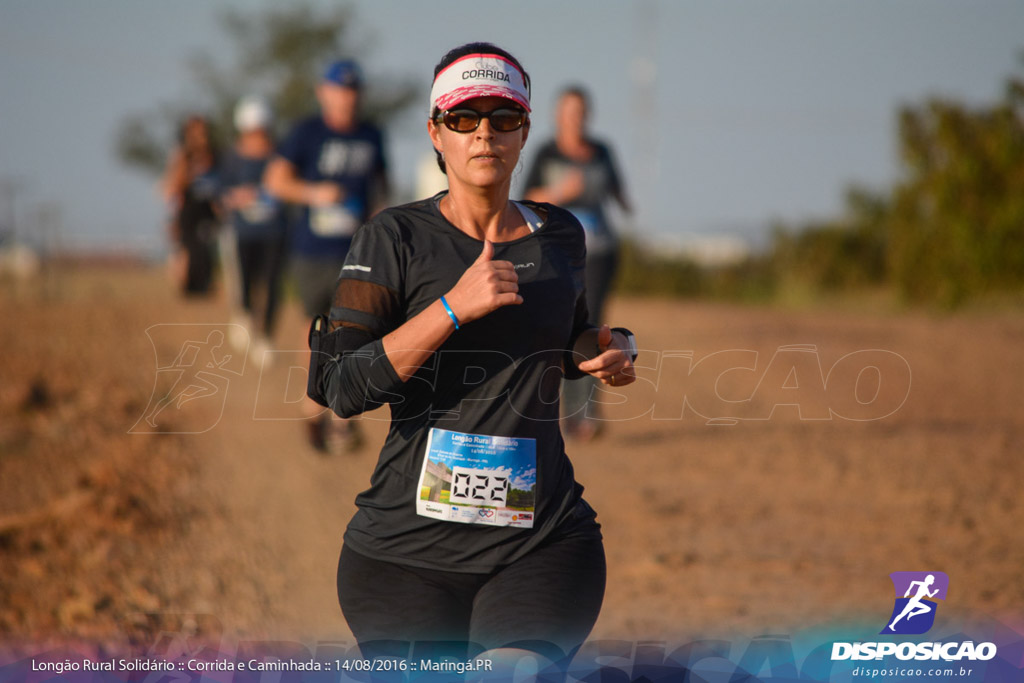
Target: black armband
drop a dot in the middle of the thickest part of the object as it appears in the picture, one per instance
(319, 330)
(327, 347)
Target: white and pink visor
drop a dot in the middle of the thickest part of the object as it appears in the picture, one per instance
(479, 75)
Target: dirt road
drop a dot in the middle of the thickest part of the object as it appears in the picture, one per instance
(736, 493)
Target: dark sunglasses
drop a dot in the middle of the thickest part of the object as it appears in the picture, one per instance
(465, 120)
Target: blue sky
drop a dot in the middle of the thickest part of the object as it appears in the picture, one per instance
(753, 112)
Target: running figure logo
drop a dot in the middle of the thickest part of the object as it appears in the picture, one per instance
(914, 613)
(191, 386)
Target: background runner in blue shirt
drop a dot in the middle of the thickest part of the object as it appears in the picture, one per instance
(332, 166)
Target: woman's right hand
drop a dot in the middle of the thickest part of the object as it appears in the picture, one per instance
(485, 286)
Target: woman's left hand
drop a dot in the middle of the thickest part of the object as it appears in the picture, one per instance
(613, 365)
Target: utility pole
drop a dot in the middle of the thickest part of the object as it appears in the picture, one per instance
(644, 76)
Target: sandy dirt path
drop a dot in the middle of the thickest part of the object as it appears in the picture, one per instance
(737, 514)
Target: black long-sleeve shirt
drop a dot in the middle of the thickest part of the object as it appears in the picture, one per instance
(498, 376)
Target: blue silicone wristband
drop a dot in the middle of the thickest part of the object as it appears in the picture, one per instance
(451, 313)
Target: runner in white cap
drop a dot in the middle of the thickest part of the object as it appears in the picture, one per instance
(463, 311)
(253, 248)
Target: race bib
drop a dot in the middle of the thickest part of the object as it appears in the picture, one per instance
(204, 187)
(477, 479)
(260, 211)
(595, 232)
(590, 220)
(332, 221)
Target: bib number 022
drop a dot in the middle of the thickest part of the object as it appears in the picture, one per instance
(476, 487)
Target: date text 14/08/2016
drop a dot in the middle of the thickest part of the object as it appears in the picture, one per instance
(406, 665)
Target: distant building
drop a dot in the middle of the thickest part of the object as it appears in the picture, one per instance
(710, 251)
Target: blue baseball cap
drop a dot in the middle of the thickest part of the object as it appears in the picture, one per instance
(344, 72)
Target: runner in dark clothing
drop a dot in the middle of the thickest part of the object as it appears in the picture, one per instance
(462, 312)
(579, 173)
(190, 188)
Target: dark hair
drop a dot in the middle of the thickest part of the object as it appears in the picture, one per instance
(191, 152)
(576, 91)
(472, 49)
(189, 121)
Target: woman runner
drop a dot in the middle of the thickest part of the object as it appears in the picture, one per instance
(463, 311)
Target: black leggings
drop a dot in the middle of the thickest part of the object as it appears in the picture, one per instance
(552, 596)
(260, 264)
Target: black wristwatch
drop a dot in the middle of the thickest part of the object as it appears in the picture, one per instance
(630, 341)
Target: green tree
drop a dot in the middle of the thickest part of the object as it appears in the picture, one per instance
(957, 220)
(838, 254)
(644, 270)
(279, 54)
(952, 226)
(518, 498)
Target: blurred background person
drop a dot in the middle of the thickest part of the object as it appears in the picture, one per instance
(190, 189)
(578, 172)
(253, 244)
(429, 178)
(332, 166)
